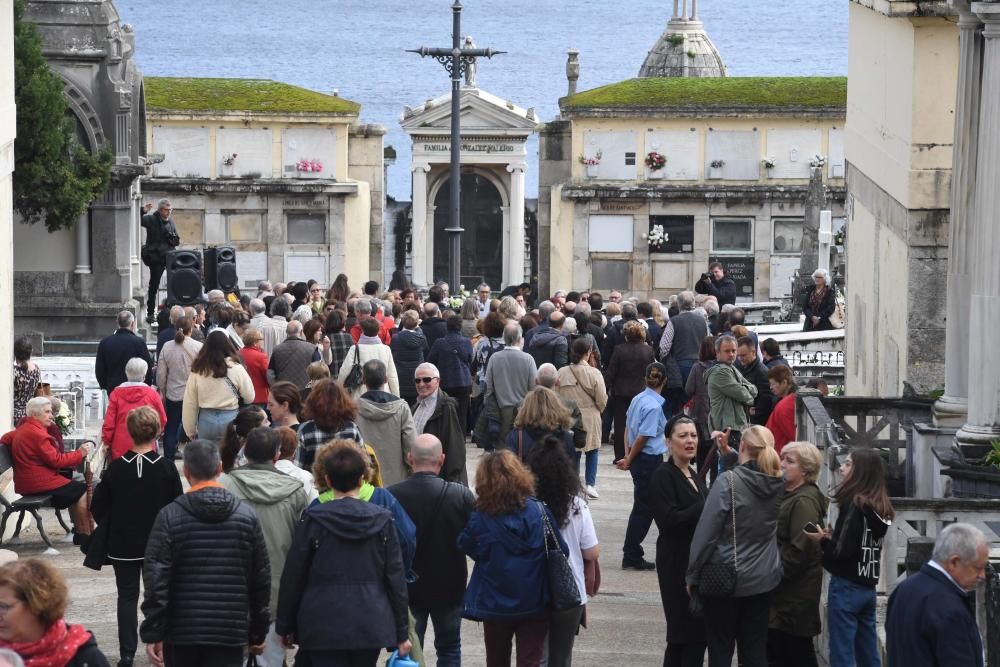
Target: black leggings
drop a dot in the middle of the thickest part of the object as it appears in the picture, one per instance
(127, 576)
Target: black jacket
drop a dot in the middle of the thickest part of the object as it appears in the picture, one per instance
(89, 655)
(724, 290)
(826, 308)
(445, 426)
(452, 355)
(854, 551)
(439, 510)
(434, 328)
(344, 586)
(627, 370)
(548, 346)
(133, 490)
(161, 238)
(931, 623)
(113, 352)
(409, 350)
(206, 575)
(764, 403)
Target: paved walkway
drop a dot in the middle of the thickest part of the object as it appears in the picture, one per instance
(626, 619)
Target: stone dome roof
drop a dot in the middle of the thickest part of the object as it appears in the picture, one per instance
(684, 49)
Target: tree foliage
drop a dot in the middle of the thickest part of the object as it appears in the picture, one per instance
(55, 178)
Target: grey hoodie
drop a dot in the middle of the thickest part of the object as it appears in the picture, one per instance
(386, 424)
(758, 501)
(279, 501)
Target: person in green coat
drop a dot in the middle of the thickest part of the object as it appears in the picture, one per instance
(729, 393)
(794, 617)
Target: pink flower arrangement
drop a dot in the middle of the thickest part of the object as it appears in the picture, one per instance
(314, 166)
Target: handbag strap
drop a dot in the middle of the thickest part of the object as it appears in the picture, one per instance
(732, 500)
(546, 529)
(520, 447)
(239, 397)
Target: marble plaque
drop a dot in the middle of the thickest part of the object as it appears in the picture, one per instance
(306, 267)
(312, 145)
(738, 150)
(836, 164)
(617, 149)
(185, 151)
(612, 233)
(252, 148)
(680, 149)
(792, 151)
(251, 267)
(244, 227)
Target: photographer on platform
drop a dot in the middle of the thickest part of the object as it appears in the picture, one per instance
(161, 238)
(716, 283)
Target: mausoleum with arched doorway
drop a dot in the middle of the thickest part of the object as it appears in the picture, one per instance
(494, 132)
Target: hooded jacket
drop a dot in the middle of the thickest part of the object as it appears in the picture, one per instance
(386, 423)
(279, 501)
(548, 346)
(409, 350)
(345, 565)
(124, 398)
(795, 602)
(510, 578)
(206, 573)
(433, 328)
(854, 551)
(758, 501)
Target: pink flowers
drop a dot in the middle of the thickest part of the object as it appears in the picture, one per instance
(314, 166)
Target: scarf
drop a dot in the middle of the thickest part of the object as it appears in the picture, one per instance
(816, 299)
(56, 648)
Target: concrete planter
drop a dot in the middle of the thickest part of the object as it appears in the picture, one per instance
(309, 174)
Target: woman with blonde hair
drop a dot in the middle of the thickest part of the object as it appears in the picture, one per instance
(541, 414)
(794, 619)
(510, 309)
(508, 590)
(735, 538)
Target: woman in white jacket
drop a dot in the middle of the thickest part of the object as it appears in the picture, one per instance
(368, 347)
(216, 388)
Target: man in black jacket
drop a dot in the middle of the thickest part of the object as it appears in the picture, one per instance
(161, 238)
(931, 621)
(716, 283)
(114, 351)
(439, 510)
(206, 573)
(755, 371)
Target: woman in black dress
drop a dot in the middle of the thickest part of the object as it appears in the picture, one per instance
(676, 496)
(135, 487)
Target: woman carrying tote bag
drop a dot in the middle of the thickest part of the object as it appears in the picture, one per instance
(734, 551)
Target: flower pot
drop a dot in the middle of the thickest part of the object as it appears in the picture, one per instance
(591, 170)
(715, 172)
(656, 174)
(310, 174)
(769, 171)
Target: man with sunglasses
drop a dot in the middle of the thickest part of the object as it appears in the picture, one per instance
(435, 413)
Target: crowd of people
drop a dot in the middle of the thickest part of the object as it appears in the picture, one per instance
(323, 438)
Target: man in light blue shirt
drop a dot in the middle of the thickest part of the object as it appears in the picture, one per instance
(645, 447)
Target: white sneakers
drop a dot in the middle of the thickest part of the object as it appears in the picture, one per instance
(592, 492)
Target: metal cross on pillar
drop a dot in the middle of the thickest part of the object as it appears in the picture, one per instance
(455, 60)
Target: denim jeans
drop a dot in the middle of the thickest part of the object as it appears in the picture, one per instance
(212, 423)
(447, 633)
(851, 623)
(174, 410)
(641, 517)
(590, 474)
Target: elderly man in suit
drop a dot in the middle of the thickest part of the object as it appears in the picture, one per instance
(931, 621)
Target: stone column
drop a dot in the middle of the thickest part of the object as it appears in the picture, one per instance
(515, 240)
(82, 232)
(952, 408)
(983, 423)
(418, 231)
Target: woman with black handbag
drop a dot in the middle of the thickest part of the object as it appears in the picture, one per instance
(734, 562)
(135, 487)
(558, 486)
(676, 496)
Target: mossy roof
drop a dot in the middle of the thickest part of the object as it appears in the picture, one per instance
(751, 93)
(251, 95)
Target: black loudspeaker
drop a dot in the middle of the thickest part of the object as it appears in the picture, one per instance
(220, 269)
(183, 277)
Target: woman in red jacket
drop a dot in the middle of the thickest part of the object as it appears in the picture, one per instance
(127, 396)
(255, 360)
(781, 423)
(37, 462)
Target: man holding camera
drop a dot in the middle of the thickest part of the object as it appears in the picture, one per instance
(161, 238)
(717, 284)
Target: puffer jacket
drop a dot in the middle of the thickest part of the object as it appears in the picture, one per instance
(206, 573)
(278, 500)
(758, 501)
(345, 564)
(409, 350)
(453, 357)
(509, 580)
(124, 398)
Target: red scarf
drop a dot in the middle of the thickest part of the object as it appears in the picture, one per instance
(56, 648)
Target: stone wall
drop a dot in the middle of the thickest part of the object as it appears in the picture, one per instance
(555, 165)
(365, 156)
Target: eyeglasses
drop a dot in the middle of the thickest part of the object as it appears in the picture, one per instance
(424, 380)
(316, 290)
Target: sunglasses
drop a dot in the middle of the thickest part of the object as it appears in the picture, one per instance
(424, 380)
